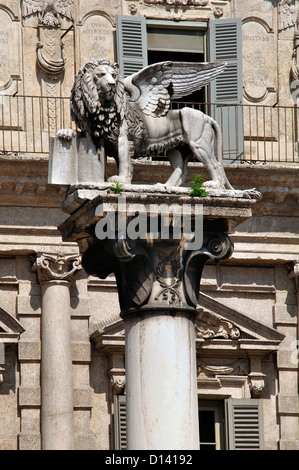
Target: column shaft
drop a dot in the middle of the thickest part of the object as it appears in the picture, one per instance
(162, 410)
(57, 421)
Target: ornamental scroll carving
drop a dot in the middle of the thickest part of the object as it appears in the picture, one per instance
(50, 267)
(210, 325)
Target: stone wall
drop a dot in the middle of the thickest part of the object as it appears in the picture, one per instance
(260, 281)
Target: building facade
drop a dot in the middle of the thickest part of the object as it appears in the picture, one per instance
(247, 324)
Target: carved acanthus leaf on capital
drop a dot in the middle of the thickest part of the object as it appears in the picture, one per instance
(60, 267)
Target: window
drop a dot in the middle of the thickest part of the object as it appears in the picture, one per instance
(230, 424)
(244, 424)
(120, 421)
(141, 41)
(210, 418)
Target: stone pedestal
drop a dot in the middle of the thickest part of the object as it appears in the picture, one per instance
(157, 256)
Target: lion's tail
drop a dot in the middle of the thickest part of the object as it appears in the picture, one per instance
(218, 137)
(219, 150)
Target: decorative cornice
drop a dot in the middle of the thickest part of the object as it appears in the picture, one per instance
(59, 267)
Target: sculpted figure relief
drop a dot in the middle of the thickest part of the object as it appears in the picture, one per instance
(134, 118)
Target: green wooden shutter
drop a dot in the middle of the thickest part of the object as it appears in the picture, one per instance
(131, 44)
(244, 424)
(227, 88)
(120, 422)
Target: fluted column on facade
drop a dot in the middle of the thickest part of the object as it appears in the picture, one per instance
(55, 273)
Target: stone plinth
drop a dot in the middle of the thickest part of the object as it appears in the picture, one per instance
(156, 244)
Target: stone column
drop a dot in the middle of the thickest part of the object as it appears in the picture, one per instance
(57, 421)
(158, 279)
(161, 380)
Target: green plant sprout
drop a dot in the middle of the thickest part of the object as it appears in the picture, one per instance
(197, 187)
(117, 188)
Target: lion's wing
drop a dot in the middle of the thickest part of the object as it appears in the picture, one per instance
(153, 88)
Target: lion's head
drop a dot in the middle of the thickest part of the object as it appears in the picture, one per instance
(97, 98)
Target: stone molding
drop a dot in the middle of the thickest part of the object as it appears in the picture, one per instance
(56, 267)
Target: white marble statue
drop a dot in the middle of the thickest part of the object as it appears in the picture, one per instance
(134, 119)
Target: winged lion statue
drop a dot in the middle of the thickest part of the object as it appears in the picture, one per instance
(133, 116)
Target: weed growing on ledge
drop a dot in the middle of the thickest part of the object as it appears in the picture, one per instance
(197, 187)
(117, 188)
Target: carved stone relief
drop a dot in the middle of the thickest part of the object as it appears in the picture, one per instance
(49, 12)
(287, 14)
(209, 325)
(258, 60)
(56, 266)
(295, 58)
(117, 380)
(51, 17)
(10, 63)
(238, 367)
(95, 38)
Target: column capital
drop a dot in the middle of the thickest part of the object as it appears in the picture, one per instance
(161, 276)
(56, 266)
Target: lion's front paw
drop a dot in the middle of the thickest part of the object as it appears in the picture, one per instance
(212, 184)
(66, 134)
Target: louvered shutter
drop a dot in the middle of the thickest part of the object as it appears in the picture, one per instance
(227, 88)
(131, 43)
(120, 422)
(244, 424)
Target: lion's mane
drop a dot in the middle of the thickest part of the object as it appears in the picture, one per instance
(102, 119)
